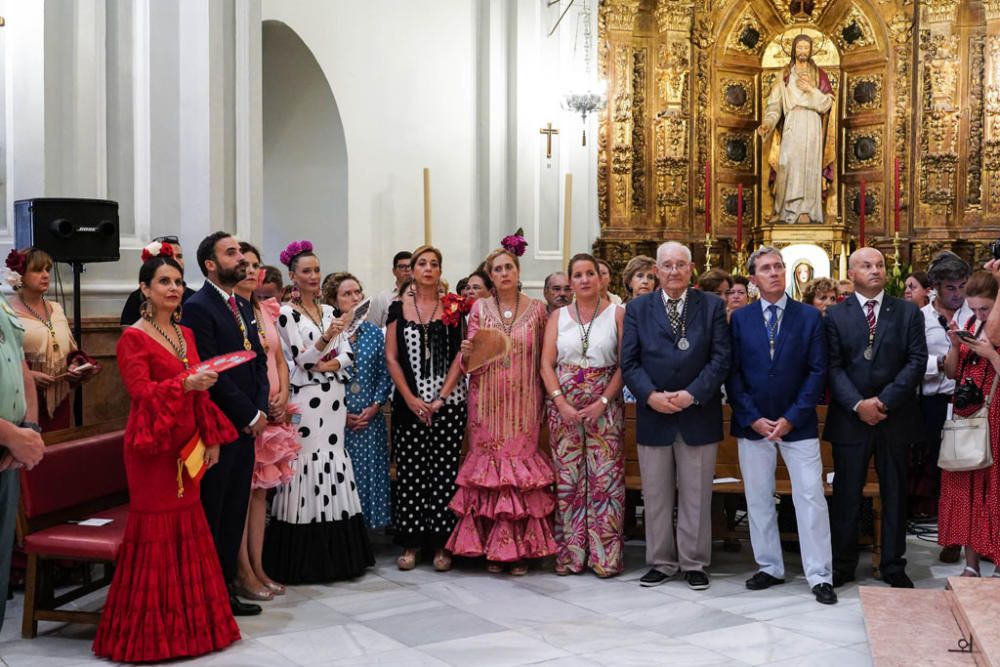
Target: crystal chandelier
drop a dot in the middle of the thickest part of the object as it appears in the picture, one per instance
(590, 96)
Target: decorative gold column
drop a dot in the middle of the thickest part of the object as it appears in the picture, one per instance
(991, 108)
(671, 128)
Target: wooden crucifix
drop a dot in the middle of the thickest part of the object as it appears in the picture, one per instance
(548, 131)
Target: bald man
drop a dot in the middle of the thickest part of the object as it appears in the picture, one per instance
(877, 355)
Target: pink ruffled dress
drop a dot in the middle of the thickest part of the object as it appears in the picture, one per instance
(504, 500)
(278, 445)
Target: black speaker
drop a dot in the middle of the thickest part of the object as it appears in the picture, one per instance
(71, 230)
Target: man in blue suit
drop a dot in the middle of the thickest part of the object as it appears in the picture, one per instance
(675, 356)
(878, 354)
(778, 376)
(224, 322)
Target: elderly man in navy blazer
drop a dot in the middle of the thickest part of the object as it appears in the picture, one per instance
(675, 357)
(878, 355)
(777, 377)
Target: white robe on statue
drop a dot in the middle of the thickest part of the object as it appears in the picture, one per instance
(798, 188)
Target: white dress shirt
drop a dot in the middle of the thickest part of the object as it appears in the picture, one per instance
(935, 381)
(863, 300)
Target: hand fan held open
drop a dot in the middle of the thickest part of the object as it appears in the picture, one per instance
(487, 345)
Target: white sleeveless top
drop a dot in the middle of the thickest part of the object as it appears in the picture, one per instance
(602, 348)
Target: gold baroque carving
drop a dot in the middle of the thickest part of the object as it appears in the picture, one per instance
(674, 67)
(736, 150)
(854, 136)
(873, 218)
(992, 9)
(784, 11)
(748, 20)
(901, 27)
(621, 152)
(875, 104)
(620, 14)
(727, 191)
(639, 130)
(745, 109)
(858, 18)
(974, 181)
(939, 11)
(674, 15)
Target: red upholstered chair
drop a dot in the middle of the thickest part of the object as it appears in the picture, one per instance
(78, 479)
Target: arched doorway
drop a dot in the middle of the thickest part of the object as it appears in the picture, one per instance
(305, 152)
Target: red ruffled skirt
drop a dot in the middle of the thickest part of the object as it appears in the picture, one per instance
(168, 598)
(504, 506)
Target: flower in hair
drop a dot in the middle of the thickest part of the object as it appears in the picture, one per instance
(515, 243)
(294, 249)
(17, 263)
(157, 249)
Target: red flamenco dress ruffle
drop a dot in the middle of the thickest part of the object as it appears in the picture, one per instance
(168, 598)
(504, 506)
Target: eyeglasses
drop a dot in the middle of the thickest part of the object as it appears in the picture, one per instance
(173, 240)
(561, 289)
(402, 267)
(670, 266)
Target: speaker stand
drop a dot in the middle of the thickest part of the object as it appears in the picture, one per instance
(78, 335)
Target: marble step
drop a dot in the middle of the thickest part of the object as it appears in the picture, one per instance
(912, 627)
(976, 603)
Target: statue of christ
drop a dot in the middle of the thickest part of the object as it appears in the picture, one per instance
(802, 153)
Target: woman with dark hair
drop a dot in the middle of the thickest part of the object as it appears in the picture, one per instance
(271, 286)
(716, 281)
(168, 598)
(49, 346)
(317, 532)
(428, 411)
(918, 287)
(504, 503)
(479, 284)
(580, 370)
(275, 448)
(739, 294)
(367, 438)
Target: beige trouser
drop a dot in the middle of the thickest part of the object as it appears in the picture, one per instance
(688, 471)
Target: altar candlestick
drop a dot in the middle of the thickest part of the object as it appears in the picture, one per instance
(427, 206)
(861, 218)
(708, 198)
(739, 217)
(896, 208)
(567, 219)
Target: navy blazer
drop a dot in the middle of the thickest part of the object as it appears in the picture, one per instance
(791, 384)
(242, 391)
(894, 373)
(651, 361)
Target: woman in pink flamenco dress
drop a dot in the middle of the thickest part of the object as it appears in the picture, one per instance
(504, 500)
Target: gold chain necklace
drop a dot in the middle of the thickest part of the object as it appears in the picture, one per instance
(179, 350)
(47, 321)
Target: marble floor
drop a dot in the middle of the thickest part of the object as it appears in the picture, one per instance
(469, 618)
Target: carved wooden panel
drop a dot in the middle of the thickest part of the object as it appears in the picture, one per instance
(874, 205)
(736, 150)
(728, 204)
(864, 93)
(737, 94)
(863, 148)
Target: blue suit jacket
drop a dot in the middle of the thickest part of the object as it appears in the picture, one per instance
(791, 384)
(651, 361)
(241, 391)
(894, 374)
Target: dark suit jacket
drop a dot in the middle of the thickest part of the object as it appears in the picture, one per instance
(651, 361)
(894, 374)
(791, 384)
(241, 391)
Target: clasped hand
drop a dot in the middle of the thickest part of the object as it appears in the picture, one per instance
(772, 429)
(670, 402)
(872, 411)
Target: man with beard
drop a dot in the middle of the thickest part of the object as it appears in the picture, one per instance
(802, 152)
(223, 322)
(557, 291)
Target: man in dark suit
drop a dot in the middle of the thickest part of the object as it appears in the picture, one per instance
(878, 354)
(778, 376)
(675, 356)
(223, 322)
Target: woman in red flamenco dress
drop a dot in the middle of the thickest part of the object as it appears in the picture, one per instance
(168, 598)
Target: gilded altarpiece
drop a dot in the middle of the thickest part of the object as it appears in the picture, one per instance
(914, 90)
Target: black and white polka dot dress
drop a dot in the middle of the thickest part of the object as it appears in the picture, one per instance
(317, 532)
(426, 457)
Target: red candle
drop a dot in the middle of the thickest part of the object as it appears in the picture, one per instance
(708, 198)
(739, 217)
(861, 223)
(896, 214)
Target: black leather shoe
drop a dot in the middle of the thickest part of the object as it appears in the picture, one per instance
(241, 608)
(841, 578)
(825, 594)
(697, 580)
(762, 580)
(898, 580)
(654, 578)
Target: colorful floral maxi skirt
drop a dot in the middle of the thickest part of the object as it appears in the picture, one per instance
(590, 476)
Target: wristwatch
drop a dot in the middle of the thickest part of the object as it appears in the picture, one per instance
(604, 400)
(32, 425)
